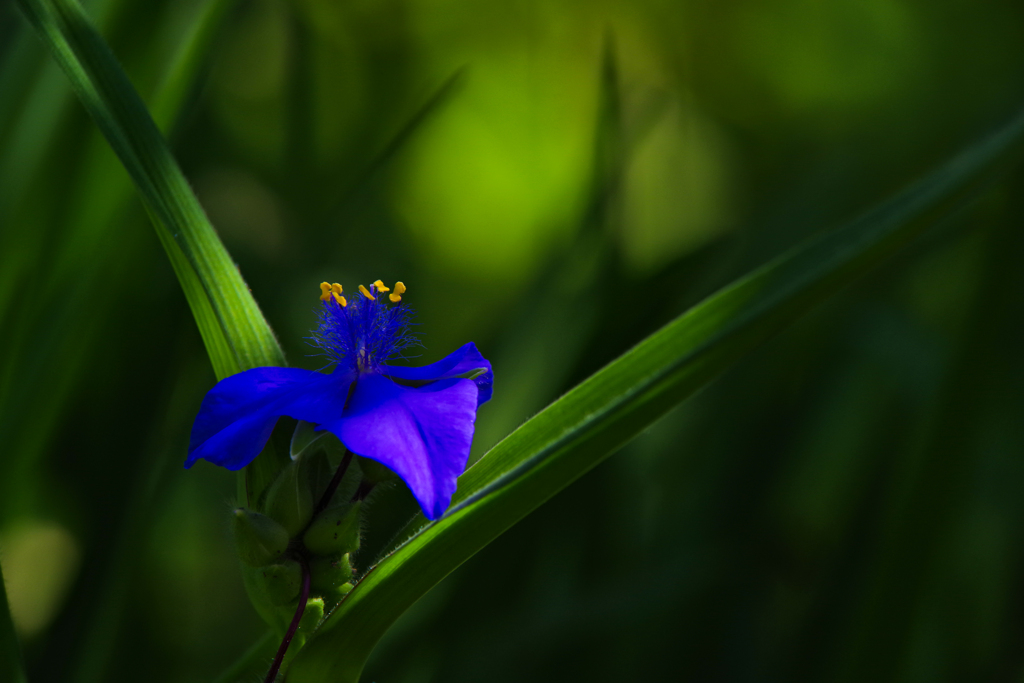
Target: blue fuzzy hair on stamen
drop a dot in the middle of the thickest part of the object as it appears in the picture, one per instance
(380, 331)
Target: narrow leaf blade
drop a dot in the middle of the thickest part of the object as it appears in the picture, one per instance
(594, 419)
(236, 335)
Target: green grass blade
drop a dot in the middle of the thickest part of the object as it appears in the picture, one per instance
(252, 662)
(11, 668)
(80, 252)
(598, 416)
(236, 335)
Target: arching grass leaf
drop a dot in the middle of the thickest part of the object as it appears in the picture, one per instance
(594, 419)
(233, 329)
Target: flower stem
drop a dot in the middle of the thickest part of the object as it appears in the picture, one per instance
(364, 490)
(286, 641)
(339, 474)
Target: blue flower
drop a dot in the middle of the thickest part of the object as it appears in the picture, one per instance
(417, 421)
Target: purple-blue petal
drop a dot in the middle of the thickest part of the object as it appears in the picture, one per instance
(421, 433)
(239, 413)
(463, 360)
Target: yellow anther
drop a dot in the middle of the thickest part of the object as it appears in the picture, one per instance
(325, 291)
(365, 292)
(396, 296)
(340, 299)
(380, 286)
(336, 288)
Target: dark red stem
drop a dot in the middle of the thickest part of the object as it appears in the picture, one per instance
(363, 491)
(333, 486)
(303, 597)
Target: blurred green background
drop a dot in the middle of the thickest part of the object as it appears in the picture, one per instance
(553, 180)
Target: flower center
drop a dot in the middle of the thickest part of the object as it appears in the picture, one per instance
(362, 334)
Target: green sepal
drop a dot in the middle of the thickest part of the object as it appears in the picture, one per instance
(256, 588)
(305, 436)
(259, 539)
(260, 474)
(335, 531)
(312, 615)
(328, 574)
(281, 582)
(290, 498)
(319, 470)
(374, 472)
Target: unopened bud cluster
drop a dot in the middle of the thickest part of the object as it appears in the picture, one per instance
(275, 542)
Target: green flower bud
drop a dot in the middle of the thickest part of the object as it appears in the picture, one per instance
(328, 574)
(319, 470)
(374, 472)
(304, 436)
(259, 539)
(282, 582)
(335, 531)
(290, 498)
(312, 615)
(256, 587)
(311, 618)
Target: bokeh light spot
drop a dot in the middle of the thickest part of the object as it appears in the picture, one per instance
(40, 560)
(677, 188)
